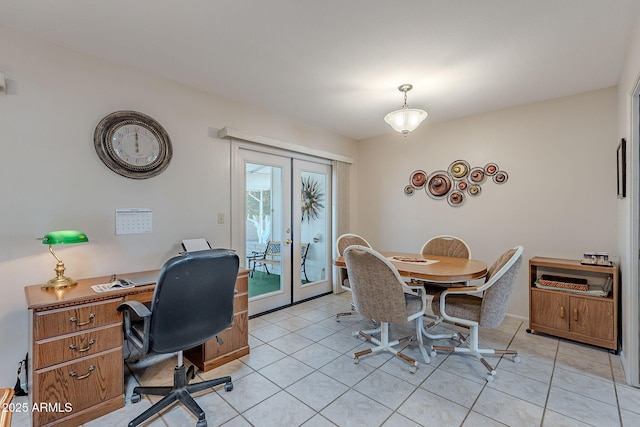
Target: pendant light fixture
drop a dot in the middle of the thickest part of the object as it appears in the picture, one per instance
(405, 119)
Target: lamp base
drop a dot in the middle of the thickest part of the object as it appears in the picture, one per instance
(59, 283)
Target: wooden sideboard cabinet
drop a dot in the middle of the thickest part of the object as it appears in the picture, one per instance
(76, 362)
(584, 318)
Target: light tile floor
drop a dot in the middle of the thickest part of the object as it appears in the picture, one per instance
(301, 373)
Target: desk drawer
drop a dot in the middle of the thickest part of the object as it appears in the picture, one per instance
(70, 388)
(52, 323)
(69, 347)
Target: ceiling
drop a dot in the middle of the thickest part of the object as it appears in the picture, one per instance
(337, 64)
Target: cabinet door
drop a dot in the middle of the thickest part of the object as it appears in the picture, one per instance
(550, 309)
(592, 318)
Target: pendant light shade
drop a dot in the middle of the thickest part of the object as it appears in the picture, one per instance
(405, 119)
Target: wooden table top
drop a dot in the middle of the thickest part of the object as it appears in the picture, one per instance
(444, 270)
(38, 299)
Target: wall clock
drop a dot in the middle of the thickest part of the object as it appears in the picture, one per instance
(132, 144)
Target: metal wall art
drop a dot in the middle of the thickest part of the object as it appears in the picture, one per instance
(456, 183)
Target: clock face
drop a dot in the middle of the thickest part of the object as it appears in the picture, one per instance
(135, 145)
(132, 144)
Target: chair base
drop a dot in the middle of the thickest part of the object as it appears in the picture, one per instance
(425, 331)
(478, 352)
(181, 391)
(383, 344)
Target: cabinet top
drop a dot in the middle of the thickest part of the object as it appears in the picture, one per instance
(38, 300)
(572, 264)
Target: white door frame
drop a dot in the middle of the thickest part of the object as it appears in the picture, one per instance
(237, 225)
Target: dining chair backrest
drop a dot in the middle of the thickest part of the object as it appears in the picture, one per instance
(378, 289)
(446, 245)
(501, 279)
(348, 239)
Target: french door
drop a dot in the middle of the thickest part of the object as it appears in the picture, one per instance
(285, 236)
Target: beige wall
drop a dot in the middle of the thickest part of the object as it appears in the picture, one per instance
(52, 179)
(559, 201)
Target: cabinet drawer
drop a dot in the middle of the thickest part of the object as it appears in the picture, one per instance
(242, 284)
(52, 323)
(240, 303)
(69, 347)
(232, 338)
(70, 388)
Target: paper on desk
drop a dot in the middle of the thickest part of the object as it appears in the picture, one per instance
(112, 286)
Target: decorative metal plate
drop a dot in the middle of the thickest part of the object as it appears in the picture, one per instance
(439, 184)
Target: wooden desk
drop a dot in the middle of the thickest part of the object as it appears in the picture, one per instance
(445, 270)
(76, 342)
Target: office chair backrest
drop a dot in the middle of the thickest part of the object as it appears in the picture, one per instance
(348, 239)
(503, 275)
(193, 299)
(377, 287)
(446, 245)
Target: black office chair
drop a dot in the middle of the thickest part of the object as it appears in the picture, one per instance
(192, 303)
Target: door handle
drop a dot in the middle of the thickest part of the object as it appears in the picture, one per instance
(288, 242)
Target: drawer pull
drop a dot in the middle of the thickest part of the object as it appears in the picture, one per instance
(75, 320)
(575, 314)
(81, 377)
(82, 350)
(562, 312)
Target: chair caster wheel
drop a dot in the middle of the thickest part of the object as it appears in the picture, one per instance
(191, 372)
(433, 353)
(516, 359)
(413, 369)
(489, 378)
(201, 423)
(356, 360)
(228, 387)
(135, 398)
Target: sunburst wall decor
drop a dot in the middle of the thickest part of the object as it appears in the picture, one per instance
(311, 198)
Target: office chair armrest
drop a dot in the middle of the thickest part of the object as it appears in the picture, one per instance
(138, 308)
(141, 311)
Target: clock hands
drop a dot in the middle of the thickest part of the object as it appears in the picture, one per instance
(137, 145)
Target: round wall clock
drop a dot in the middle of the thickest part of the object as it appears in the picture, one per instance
(132, 144)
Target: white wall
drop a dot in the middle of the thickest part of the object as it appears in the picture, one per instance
(559, 201)
(51, 177)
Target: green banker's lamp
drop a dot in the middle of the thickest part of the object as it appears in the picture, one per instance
(64, 237)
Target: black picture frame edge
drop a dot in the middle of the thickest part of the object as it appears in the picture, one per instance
(621, 163)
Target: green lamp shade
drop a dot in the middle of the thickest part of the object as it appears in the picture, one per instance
(64, 237)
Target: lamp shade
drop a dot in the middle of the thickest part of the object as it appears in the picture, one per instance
(64, 237)
(405, 120)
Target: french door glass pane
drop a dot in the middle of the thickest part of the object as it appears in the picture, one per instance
(313, 228)
(263, 220)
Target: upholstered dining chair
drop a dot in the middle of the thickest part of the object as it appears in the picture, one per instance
(446, 245)
(461, 306)
(342, 242)
(443, 245)
(380, 293)
(192, 303)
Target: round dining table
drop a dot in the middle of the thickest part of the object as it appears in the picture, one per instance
(432, 268)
